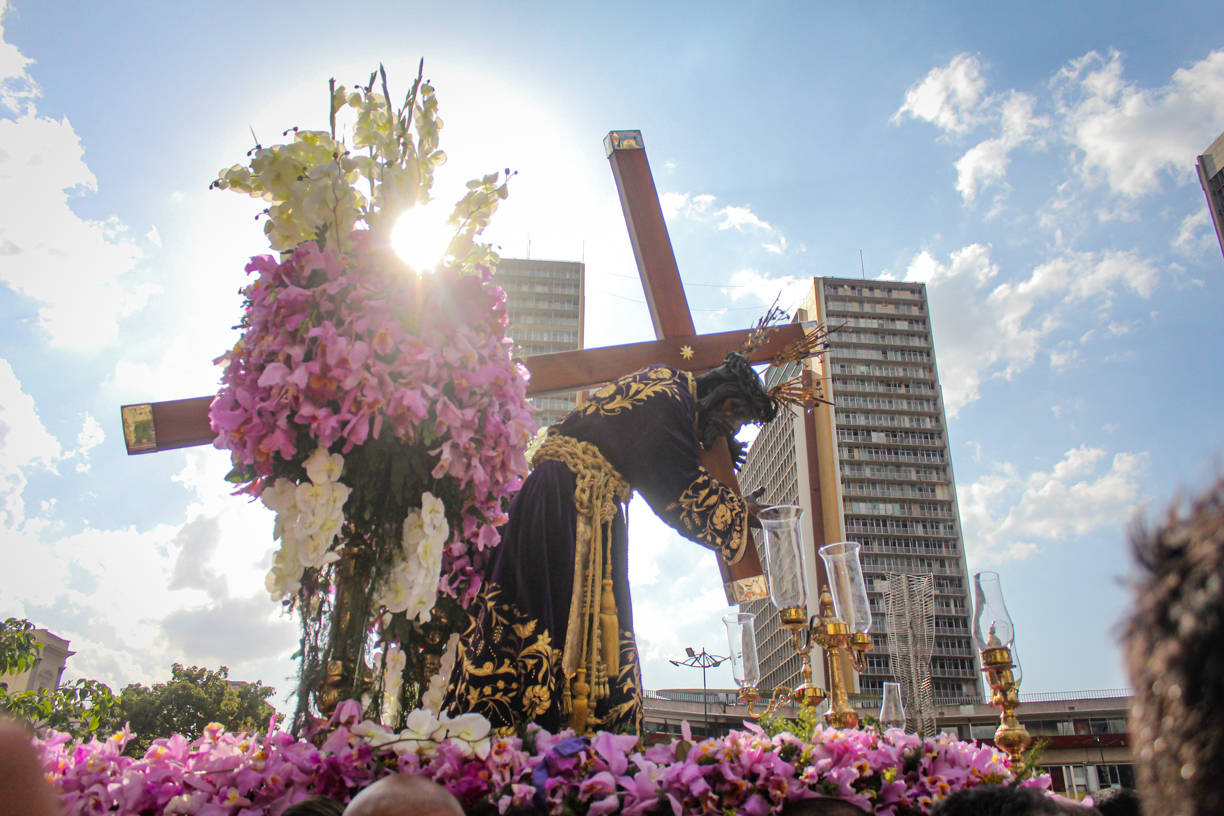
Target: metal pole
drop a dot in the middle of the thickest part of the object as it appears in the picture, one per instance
(705, 700)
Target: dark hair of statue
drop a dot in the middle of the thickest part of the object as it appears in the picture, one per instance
(734, 379)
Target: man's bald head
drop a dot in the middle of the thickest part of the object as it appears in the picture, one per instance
(404, 795)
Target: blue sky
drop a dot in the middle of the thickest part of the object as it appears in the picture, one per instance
(1032, 164)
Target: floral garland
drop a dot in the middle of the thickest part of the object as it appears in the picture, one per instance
(893, 774)
(372, 405)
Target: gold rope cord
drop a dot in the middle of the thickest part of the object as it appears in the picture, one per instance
(592, 635)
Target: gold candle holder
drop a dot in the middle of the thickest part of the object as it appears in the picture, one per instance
(1011, 736)
(995, 636)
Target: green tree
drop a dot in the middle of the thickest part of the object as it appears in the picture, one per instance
(192, 699)
(82, 708)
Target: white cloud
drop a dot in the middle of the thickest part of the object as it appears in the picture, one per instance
(1006, 516)
(950, 97)
(1196, 234)
(24, 444)
(73, 267)
(1130, 136)
(752, 283)
(984, 329)
(986, 163)
(90, 437)
(701, 208)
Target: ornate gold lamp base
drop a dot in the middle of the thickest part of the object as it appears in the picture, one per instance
(1011, 736)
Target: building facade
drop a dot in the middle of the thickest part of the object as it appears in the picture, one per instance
(875, 468)
(1211, 176)
(48, 669)
(545, 305)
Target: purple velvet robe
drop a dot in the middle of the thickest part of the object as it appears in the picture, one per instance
(509, 664)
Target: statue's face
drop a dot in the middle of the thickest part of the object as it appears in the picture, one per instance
(734, 412)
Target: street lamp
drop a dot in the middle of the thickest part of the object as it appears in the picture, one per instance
(703, 660)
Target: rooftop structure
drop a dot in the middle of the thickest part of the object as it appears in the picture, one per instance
(1211, 176)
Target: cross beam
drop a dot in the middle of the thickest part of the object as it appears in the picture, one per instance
(159, 426)
(184, 423)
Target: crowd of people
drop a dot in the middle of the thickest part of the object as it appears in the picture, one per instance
(1172, 642)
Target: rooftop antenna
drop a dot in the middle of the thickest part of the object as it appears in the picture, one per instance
(861, 266)
(529, 246)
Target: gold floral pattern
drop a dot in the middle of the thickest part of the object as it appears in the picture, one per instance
(713, 516)
(627, 392)
(507, 665)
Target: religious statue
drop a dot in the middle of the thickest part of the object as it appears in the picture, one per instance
(550, 636)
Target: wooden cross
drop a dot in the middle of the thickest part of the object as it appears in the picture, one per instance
(183, 423)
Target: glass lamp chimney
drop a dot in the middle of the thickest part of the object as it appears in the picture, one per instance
(784, 561)
(847, 585)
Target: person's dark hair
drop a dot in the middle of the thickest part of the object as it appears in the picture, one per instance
(1117, 802)
(996, 800)
(315, 806)
(1172, 645)
(734, 379)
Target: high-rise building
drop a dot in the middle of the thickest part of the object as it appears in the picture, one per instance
(545, 305)
(875, 468)
(1211, 176)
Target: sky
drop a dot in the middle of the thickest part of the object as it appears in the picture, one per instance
(1033, 164)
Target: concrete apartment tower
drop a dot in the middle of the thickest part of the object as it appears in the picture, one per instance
(545, 304)
(874, 468)
(1211, 176)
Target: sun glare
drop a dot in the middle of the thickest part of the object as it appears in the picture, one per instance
(421, 236)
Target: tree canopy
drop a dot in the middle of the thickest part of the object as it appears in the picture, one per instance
(81, 708)
(193, 698)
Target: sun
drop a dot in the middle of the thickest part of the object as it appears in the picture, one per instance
(421, 236)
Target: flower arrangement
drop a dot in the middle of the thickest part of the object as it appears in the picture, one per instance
(373, 405)
(894, 774)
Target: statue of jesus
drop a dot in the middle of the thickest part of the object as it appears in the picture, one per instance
(550, 636)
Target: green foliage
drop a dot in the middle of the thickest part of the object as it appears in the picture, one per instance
(81, 708)
(801, 727)
(192, 699)
(1030, 760)
(18, 649)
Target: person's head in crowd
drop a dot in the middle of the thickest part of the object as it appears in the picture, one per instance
(404, 795)
(315, 806)
(1173, 645)
(23, 790)
(1002, 800)
(822, 807)
(1117, 802)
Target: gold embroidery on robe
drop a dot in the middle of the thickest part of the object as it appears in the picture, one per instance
(714, 516)
(509, 675)
(627, 392)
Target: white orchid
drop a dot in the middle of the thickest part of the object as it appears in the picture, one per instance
(433, 513)
(414, 533)
(323, 468)
(279, 496)
(435, 695)
(469, 732)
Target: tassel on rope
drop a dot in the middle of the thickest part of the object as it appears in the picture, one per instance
(567, 699)
(610, 627)
(581, 702)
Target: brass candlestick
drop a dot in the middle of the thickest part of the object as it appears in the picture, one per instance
(840, 628)
(999, 662)
(835, 637)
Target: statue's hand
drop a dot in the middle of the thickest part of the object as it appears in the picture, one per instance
(752, 500)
